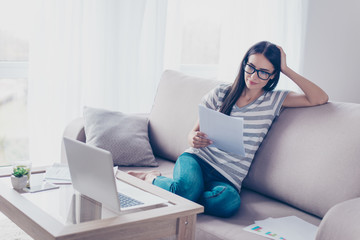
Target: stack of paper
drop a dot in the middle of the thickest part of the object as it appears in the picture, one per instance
(58, 174)
(286, 228)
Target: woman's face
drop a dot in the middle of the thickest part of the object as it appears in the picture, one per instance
(257, 69)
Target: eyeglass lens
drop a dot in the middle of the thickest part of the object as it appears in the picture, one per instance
(261, 74)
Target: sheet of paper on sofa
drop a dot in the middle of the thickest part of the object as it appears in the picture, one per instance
(226, 132)
(286, 228)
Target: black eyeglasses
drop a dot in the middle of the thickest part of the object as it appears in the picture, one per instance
(261, 74)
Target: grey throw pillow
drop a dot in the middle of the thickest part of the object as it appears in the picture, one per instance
(124, 135)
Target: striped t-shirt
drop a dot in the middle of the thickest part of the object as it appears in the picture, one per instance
(258, 117)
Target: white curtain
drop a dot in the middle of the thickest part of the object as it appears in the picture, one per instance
(100, 53)
(238, 24)
(111, 53)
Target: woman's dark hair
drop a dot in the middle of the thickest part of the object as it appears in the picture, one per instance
(272, 53)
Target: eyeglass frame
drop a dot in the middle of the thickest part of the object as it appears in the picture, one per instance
(257, 72)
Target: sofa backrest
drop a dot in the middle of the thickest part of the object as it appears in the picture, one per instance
(175, 112)
(310, 158)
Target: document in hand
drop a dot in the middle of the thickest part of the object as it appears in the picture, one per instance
(226, 132)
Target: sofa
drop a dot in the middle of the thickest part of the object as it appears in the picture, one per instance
(307, 166)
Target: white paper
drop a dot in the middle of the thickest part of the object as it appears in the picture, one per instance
(58, 173)
(226, 132)
(286, 228)
(263, 231)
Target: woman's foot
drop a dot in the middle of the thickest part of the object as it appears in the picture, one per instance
(145, 176)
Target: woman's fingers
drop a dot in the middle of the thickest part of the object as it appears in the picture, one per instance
(200, 140)
(283, 58)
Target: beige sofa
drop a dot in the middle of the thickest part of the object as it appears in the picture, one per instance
(307, 166)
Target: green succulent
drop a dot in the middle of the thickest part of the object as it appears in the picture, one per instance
(20, 171)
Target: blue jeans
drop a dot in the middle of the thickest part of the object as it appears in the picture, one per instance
(198, 181)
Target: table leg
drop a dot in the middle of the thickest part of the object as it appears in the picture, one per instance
(186, 228)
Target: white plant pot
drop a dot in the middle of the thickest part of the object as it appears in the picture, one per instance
(19, 183)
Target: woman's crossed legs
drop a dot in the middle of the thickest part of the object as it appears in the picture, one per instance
(218, 198)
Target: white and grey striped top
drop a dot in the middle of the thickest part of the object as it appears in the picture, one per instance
(258, 117)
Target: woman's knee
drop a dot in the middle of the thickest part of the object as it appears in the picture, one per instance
(187, 190)
(221, 200)
(188, 178)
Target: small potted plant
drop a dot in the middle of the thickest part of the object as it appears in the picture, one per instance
(19, 177)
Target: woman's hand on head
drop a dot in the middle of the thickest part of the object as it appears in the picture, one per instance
(283, 59)
(198, 139)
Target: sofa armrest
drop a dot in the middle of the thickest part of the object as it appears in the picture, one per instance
(74, 130)
(341, 222)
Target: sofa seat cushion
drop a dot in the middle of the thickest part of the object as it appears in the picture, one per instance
(254, 206)
(165, 167)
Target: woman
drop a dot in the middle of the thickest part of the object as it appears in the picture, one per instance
(213, 177)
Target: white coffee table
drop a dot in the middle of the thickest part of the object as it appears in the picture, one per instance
(61, 214)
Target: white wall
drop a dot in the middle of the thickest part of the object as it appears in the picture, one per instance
(332, 48)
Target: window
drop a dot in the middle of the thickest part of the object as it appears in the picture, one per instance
(208, 38)
(14, 54)
(201, 38)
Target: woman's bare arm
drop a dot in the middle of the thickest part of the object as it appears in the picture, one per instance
(313, 95)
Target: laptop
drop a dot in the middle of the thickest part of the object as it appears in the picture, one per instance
(92, 174)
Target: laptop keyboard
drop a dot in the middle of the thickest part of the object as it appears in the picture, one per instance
(126, 201)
